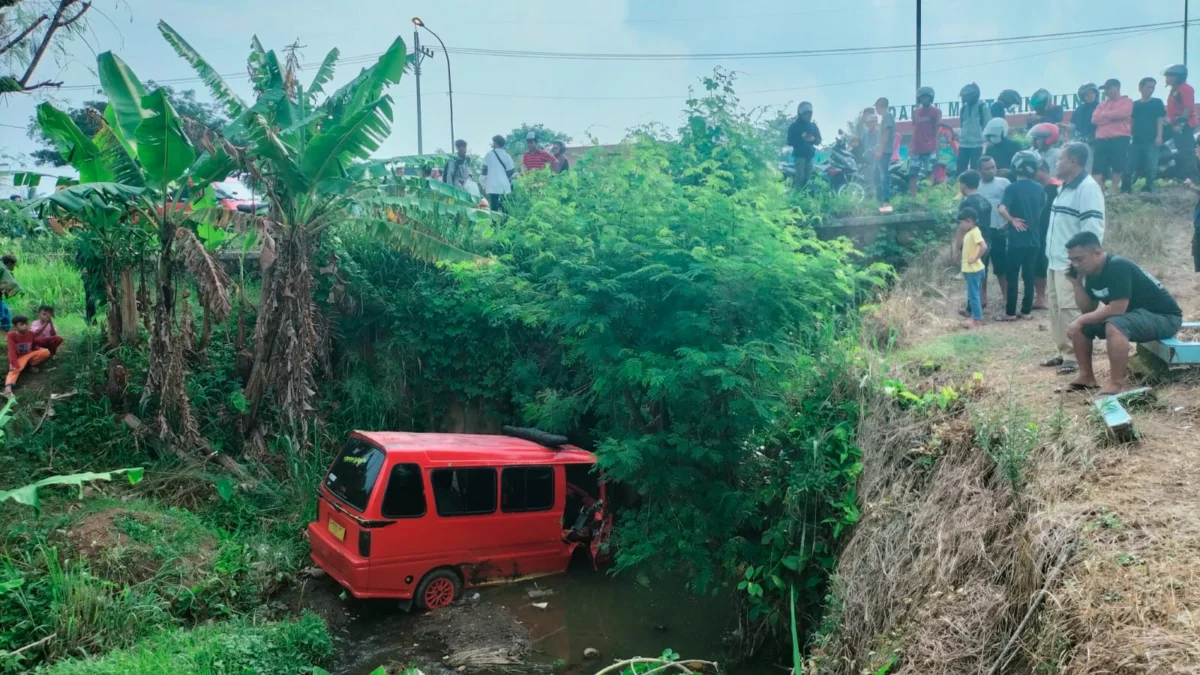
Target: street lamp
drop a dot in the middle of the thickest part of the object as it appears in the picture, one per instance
(449, 80)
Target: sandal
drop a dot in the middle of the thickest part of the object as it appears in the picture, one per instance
(1025, 317)
(1075, 386)
(1006, 317)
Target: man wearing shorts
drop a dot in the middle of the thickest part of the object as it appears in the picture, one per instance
(1114, 124)
(922, 149)
(1120, 303)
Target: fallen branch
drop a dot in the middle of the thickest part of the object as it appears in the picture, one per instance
(1033, 608)
(139, 428)
(662, 666)
(31, 645)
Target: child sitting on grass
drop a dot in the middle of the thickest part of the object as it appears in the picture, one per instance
(21, 352)
(974, 273)
(44, 332)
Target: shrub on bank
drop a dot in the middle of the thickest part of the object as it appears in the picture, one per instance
(230, 648)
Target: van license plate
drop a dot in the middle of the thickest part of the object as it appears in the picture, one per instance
(337, 530)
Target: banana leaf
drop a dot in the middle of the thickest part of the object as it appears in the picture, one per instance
(368, 86)
(216, 85)
(125, 93)
(163, 149)
(414, 240)
(79, 150)
(28, 494)
(355, 138)
(323, 76)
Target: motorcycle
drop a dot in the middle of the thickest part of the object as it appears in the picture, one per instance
(841, 171)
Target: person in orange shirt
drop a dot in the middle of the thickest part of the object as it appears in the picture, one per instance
(1182, 118)
(21, 352)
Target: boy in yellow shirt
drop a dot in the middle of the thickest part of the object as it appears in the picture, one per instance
(973, 269)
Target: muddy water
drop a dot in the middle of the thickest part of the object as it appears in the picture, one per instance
(618, 616)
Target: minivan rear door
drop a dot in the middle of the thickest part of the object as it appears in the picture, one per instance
(350, 482)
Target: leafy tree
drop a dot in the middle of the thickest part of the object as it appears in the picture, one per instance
(89, 117)
(27, 32)
(132, 173)
(545, 136)
(307, 148)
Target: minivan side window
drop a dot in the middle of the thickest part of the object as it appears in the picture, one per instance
(353, 474)
(464, 492)
(527, 488)
(405, 494)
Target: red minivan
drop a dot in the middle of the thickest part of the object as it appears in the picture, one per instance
(419, 517)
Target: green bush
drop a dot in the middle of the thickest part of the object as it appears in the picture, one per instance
(233, 648)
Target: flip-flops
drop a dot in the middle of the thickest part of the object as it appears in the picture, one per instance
(1075, 386)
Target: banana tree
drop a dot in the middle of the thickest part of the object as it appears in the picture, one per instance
(309, 151)
(139, 171)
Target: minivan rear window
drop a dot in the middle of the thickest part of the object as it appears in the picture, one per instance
(354, 473)
(526, 488)
(405, 493)
(464, 492)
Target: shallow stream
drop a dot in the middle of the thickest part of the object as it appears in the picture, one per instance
(618, 616)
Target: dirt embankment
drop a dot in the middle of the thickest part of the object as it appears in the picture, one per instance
(1087, 562)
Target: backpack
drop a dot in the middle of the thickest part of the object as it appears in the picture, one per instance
(979, 108)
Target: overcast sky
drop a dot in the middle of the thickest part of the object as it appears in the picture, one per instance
(604, 98)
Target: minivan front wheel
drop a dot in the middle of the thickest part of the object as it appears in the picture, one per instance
(438, 589)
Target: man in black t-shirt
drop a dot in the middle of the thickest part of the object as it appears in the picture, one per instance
(1149, 114)
(1120, 303)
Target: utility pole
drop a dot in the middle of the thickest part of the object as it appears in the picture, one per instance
(1185, 27)
(417, 72)
(419, 54)
(919, 44)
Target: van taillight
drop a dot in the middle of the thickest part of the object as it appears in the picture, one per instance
(364, 543)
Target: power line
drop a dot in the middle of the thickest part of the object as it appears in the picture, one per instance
(780, 54)
(815, 86)
(838, 51)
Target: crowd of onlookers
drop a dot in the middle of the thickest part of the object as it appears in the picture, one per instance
(1125, 135)
(1035, 214)
(499, 168)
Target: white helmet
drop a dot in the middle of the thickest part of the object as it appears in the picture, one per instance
(996, 130)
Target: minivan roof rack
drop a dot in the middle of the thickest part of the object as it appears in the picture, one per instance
(552, 441)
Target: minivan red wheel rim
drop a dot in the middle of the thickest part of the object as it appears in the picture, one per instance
(439, 593)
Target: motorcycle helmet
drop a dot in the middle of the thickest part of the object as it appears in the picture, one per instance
(969, 93)
(1084, 89)
(804, 107)
(1039, 100)
(1025, 163)
(1178, 71)
(1044, 132)
(996, 130)
(1008, 98)
(925, 91)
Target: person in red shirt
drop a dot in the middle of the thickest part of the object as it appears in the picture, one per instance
(922, 150)
(1181, 116)
(21, 352)
(535, 157)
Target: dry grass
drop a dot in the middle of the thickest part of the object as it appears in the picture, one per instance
(948, 559)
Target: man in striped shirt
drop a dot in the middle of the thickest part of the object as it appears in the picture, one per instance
(535, 157)
(1079, 207)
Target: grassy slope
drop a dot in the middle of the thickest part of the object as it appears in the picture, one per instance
(962, 558)
(107, 570)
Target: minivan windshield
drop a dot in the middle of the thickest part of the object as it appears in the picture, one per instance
(354, 472)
